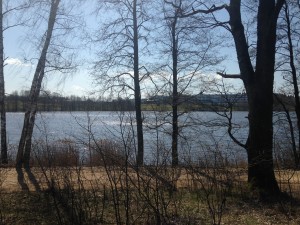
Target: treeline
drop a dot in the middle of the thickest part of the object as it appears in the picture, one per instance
(16, 102)
(53, 102)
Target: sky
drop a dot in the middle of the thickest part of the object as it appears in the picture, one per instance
(18, 73)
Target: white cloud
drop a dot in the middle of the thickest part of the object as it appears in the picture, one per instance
(78, 88)
(16, 62)
(211, 76)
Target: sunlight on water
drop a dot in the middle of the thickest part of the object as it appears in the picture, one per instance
(200, 132)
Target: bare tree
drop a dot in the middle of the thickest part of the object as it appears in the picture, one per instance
(258, 81)
(6, 9)
(184, 58)
(119, 67)
(51, 59)
(2, 93)
(24, 149)
(288, 52)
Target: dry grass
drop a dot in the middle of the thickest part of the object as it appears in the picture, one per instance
(289, 180)
(19, 207)
(59, 189)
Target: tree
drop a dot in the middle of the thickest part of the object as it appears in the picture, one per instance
(6, 8)
(54, 57)
(119, 67)
(2, 93)
(288, 51)
(258, 81)
(184, 57)
(23, 155)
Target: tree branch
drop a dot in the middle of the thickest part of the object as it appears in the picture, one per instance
(279, 6)
(232, 76)
(20, 7)
(203, 11)
(238, 33)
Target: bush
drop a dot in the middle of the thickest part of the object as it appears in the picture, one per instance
(63, 153)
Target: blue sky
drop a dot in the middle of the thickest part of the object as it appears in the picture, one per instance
(18, 73)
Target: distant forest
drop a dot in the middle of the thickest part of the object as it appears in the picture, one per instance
(53, 102)
(15, 102)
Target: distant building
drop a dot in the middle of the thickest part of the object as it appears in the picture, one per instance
(217, 99)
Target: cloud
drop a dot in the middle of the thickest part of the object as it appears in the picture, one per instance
(210, 77)
(16, 62)
(78, 88)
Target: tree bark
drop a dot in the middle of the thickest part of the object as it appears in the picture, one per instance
(259, 88)
(175, 132)
(24, 149)
(137, 90)
(4, 159)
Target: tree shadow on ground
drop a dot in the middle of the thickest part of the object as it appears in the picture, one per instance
(21, 179)
(32, 179)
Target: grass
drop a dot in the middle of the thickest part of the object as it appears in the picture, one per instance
(187, 205)
(109, 190)
(27, 208)
(22, 208)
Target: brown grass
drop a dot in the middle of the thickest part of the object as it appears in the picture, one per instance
(239, 210)
(289, 180)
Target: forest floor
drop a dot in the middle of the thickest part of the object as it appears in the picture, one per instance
(25, 198)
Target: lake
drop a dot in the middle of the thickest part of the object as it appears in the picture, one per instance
(200, 132)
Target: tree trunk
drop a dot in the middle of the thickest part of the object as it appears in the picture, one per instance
(137, 90)
(260, 141)
(4, 159)
(175, 132)
(24, 150)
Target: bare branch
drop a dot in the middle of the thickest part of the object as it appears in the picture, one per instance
(204, 11)
(229, 130)
(20, 7)
(14, 25)
(231, 76)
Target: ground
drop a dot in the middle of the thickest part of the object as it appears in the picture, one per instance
(23, 201)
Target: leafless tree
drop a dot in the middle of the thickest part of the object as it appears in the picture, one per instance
(7, 12)
(184, 58)
(119, 67)
(2, 93)
(52, 59)
(258, 81)
(288, 52)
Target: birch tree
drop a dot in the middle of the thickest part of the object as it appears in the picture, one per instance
(53, 58)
